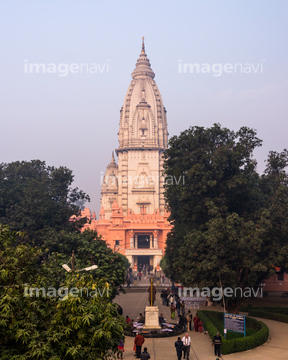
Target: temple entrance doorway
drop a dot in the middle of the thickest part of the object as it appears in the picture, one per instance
(143, 260)
(143, 242)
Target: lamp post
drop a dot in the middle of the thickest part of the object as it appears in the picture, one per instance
(73, 261)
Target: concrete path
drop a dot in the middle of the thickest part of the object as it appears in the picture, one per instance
(201, 349)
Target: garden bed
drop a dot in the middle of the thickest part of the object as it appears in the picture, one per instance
(256, 332)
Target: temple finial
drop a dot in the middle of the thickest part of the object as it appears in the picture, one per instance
(143, 46)
(113, 159)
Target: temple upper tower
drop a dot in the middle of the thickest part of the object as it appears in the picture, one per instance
(143, 121)
(143, 137)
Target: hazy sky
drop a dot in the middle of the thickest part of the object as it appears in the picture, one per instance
(71, 118)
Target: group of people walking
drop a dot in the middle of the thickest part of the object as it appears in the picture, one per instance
(183, 346)
(185, 319)
(138, 342)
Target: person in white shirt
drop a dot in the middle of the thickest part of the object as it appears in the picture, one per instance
(186, 345)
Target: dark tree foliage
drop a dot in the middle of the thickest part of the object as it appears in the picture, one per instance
(222, 211)
(35, 197)
(275, 188)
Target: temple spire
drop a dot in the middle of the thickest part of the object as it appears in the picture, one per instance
(143, 67)
(143, 46)
(112, 159)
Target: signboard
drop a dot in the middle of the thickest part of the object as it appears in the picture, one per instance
(236, 323)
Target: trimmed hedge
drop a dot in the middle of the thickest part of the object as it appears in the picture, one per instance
(235, 345)
(271, 313)
(274, 309)
(268, 315)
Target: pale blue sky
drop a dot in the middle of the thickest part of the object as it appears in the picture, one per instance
(73, 120)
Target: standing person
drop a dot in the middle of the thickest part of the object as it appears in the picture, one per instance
(141, 318)
(183, 308)
(119, 310)
(200, 326)
(120, 349)
(128, 281)
(172, 309)
(196, 322)
(179, 348)
(182, 322)
(178, 307)
(140, 275)
(163, 297)
(176, 292)
(145, 355)
(130, 323)
(139, 341)
(167, 293)
(173, 288)
(189, 320)
(186, 346)
(217, 342)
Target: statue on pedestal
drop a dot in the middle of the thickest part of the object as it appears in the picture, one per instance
(152, 293)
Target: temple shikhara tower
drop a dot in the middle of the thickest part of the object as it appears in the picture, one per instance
(132, 218)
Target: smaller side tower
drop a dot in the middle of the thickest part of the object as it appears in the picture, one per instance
(109, 191)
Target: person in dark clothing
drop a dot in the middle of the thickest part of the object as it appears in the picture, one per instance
(182, 323)
(163, 297)
(178, 307)
(167, 293)
(217, 342)
(161, 319)
(119, 310)
(139, 341)
(179, 348)
(145, 355)
(173, 288)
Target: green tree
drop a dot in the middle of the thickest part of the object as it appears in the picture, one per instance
(48, 327)
(35, 197)
(274, 185)
(89, 249)
(216, 211)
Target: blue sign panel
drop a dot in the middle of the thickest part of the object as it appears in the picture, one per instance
(236, 323)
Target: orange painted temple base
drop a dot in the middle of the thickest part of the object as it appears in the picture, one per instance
(140, 237)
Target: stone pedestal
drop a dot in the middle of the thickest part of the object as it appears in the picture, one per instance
(151, 318)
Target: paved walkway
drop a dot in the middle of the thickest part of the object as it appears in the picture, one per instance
(201, 349)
